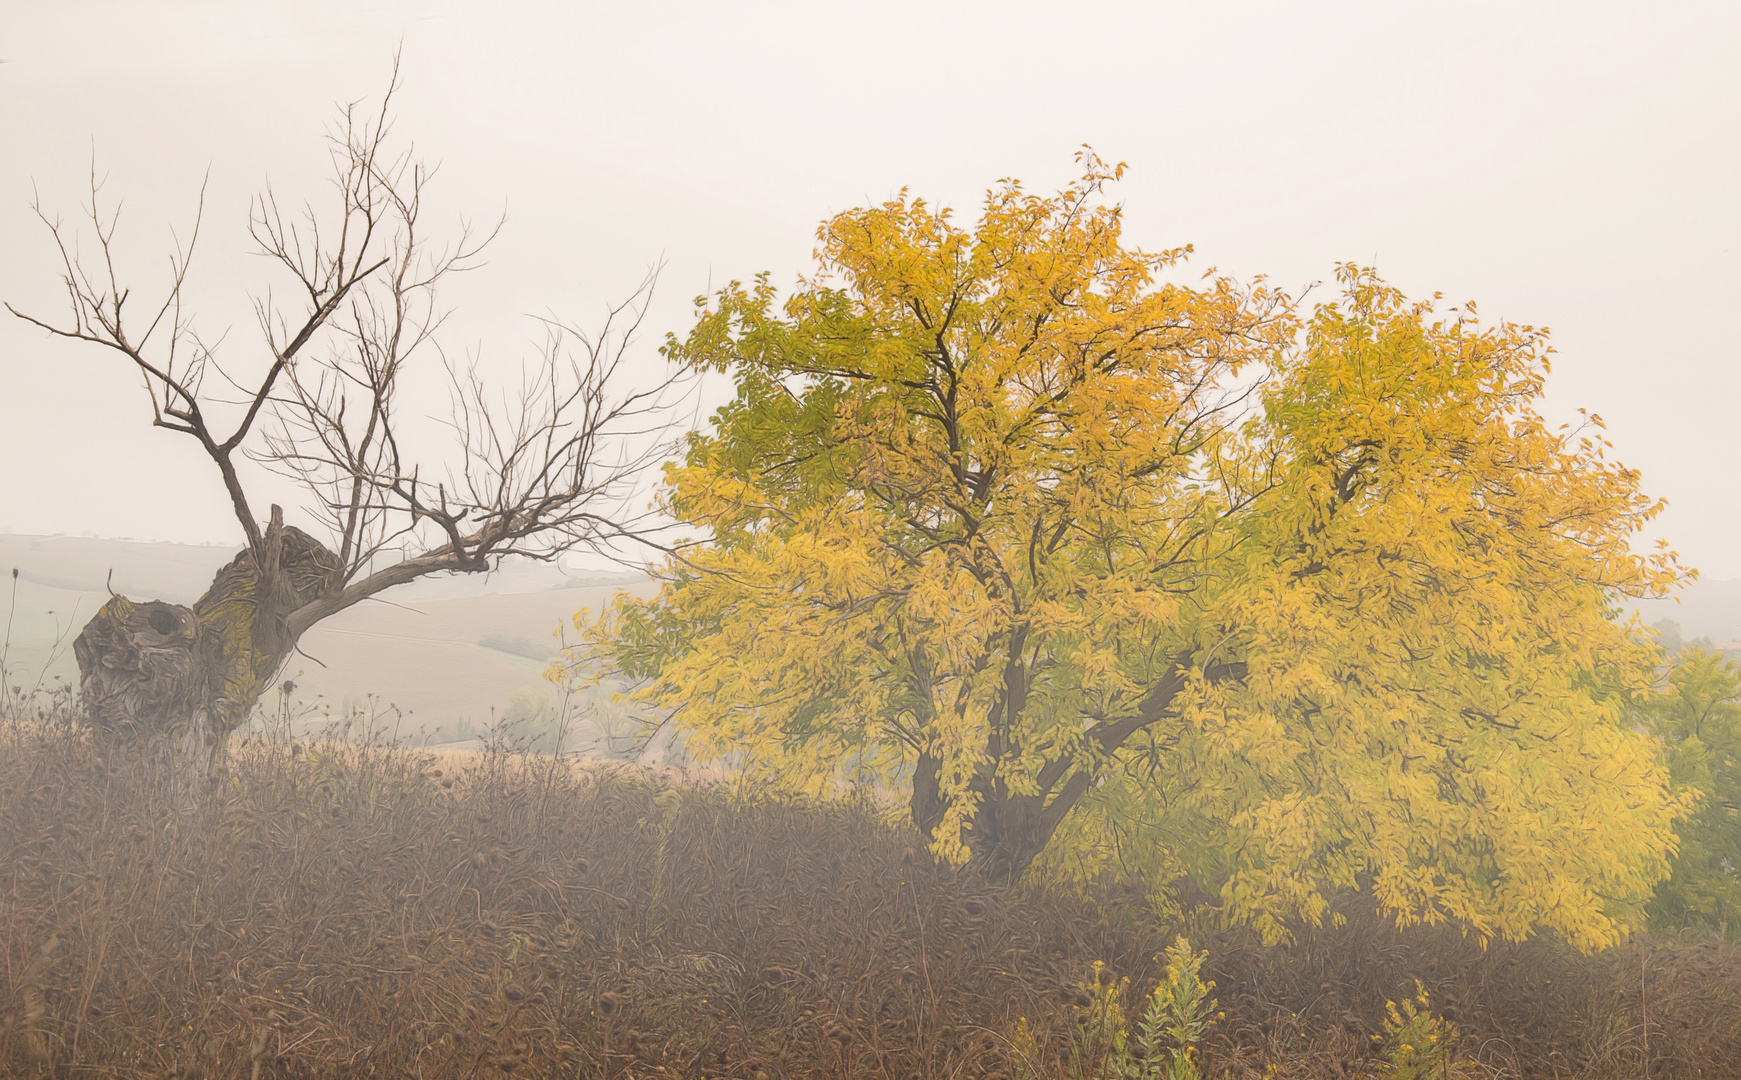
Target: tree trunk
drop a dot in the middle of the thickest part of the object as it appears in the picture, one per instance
(164, 685)
(1006, 833)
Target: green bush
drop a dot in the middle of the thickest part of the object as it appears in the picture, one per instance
(1698, 719)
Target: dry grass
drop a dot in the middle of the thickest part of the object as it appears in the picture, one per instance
(348, 911)
(1531, 1009)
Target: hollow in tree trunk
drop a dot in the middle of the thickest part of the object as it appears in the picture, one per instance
(164, 685)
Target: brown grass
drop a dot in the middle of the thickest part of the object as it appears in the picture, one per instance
(347, 911)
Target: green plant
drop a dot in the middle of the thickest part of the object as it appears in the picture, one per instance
(1417, 1043)
(1176, 1018)
(1005, 518)
(534, 720)
(1101, 1050)
(1697, 717)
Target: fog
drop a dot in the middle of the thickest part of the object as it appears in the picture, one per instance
(816, 806)
(1568, 167)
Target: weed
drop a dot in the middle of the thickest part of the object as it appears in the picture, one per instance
(1176, 1018)
(1102, 1051)
(1418, 1044)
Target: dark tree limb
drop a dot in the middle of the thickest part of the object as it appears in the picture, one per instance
(549, 466)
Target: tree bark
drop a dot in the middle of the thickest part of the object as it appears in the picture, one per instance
(927, 799)
(164, 685)
(1006, 832)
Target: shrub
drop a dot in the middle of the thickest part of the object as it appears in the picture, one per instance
(1698, 719)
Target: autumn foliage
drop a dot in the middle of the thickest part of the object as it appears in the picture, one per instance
(1118, 569)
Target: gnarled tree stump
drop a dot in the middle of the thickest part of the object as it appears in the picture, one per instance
(164, 685)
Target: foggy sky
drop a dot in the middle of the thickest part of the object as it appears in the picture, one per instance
(1568, 165)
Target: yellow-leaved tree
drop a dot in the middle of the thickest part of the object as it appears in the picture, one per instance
(1114, 567)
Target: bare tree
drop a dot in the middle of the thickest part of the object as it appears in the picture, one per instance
(536, 469)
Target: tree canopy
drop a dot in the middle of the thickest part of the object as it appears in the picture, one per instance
(1118, 568)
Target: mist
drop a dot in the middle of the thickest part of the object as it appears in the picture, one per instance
(968, 540)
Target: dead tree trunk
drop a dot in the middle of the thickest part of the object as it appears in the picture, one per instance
(164, 685)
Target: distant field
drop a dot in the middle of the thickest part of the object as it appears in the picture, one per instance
(421, 648)
(427, 657)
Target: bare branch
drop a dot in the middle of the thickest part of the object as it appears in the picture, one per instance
(537, 468)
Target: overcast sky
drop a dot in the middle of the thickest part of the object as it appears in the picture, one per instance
(1571, 165)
